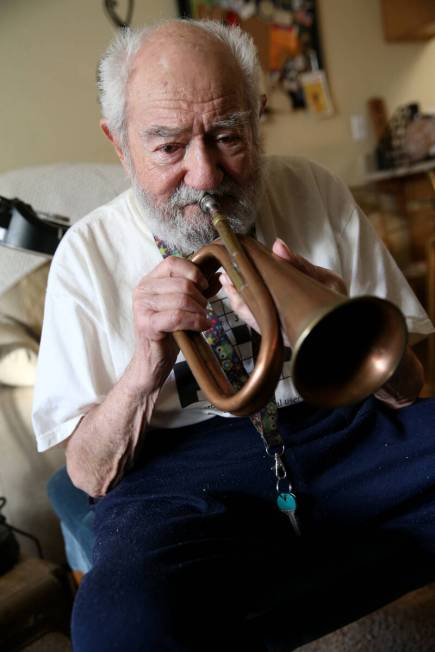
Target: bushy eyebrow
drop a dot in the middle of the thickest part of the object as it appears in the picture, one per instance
(234, 120)
(160, 131)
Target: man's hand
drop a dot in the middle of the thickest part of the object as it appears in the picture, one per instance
(166, 300)
(404, 386)
(324, 276)
(320, 274)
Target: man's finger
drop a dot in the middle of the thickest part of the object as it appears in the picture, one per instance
(174, 266)
(321, 274)
(283, 251)
(169, 321)
(280, 248)
(150, 291)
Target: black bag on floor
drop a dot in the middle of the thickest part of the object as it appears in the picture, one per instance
(9, 547)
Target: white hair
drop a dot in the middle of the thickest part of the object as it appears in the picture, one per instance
(116, 65)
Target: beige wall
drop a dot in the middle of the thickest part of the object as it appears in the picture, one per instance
(49, 51)
(360, 64)
(48, 56)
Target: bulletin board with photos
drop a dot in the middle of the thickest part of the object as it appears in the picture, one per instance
(287, 38)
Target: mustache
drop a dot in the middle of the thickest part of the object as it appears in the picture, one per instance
(184, 195)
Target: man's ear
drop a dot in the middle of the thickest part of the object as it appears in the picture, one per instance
(106, 131)
(263, 102)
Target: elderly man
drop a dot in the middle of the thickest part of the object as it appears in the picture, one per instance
(191, 549)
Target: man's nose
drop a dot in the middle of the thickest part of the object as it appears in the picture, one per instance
(203, 171)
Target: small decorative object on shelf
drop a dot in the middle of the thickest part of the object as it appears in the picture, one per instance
(419, 141)
(391, 151)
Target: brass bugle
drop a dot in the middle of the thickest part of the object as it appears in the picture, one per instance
(343, 349)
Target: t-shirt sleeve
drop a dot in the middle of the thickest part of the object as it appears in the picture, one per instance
(74, 362)
(369, 268)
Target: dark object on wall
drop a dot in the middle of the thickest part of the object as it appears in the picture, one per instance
(110, 7)
(25, 228)
(184, 10)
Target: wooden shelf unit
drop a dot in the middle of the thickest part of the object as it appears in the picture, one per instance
(408, 20)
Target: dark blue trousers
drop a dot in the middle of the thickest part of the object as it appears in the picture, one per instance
(191, 553)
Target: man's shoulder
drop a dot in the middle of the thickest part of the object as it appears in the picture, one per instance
(115, 209)
(279, 167)
(109, 229)
(300, 198)
(298, 179)
(112, 222)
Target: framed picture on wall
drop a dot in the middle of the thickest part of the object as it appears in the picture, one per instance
(284, 31)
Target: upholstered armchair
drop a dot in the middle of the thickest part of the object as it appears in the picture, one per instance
(37, 486)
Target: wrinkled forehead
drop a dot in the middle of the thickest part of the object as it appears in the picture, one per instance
(183, 71)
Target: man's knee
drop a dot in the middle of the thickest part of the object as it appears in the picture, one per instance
(118, 610)
(145, 607)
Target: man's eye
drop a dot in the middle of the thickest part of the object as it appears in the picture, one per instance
(170, 148)
(228, 140)
(232, 141)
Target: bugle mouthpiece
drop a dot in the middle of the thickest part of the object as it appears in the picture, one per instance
(208, 204)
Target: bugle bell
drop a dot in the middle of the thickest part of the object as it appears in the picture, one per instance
(342, 349)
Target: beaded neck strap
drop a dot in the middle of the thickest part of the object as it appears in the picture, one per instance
(265, 421)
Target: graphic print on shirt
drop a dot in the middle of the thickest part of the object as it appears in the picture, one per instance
(240, 337)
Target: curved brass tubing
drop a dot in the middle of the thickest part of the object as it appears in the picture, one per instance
(342, 349)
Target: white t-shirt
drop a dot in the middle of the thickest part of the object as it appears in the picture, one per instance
(87, 339)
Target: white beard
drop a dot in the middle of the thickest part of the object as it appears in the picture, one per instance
(187, 233)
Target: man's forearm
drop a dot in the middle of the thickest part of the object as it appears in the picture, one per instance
(105, 441)
(166, 300)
